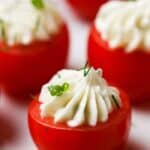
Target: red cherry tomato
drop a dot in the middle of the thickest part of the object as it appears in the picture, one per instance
(87, 8)
(111, 135)
(130, 71)
(24, 69)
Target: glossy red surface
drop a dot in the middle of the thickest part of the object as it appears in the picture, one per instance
(109, 136)
(130, 71)
(24, 69)
(87, 8)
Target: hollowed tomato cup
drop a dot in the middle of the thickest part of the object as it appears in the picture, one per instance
(130, 71)
(24, 69)
(86, 8)
(111, 135)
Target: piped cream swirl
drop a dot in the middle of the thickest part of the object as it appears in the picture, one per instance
(125, 24)
(21, 22)
(89, 99)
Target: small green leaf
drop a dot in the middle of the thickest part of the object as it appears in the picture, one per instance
(59, 93)
(52, 90)
(86, 69)
(65, 86)
(39, 4)
(58, 90)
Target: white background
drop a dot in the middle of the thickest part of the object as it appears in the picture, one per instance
(14, 134)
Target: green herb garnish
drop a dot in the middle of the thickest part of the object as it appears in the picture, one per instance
(65, 86)
(115, 101)
(58, 90)
(39, 4)
(86, 69)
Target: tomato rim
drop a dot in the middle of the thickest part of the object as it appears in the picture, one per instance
(123, 111)
(15, 49)
(105, 44)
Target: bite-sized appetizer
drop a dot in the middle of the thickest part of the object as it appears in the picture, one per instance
(86, 8)
(33, 44)
(119, 42)
(78, 109)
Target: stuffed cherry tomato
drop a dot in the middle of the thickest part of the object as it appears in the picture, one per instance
(34, 45)
(87, 8)
(78, 110)
(119, 44)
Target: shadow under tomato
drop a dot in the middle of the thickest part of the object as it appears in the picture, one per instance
(7, 131)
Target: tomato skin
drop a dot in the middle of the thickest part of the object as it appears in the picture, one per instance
(111, 135)
(130, 71)
(87, 8)
(24, 69)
